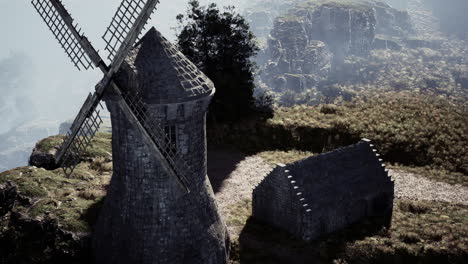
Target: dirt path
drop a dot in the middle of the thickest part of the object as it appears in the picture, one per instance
(234, 176)
(414, 187)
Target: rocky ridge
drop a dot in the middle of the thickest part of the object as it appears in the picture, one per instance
(314, 38)
(359, 47)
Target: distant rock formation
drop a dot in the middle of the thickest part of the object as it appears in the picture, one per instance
(298, 66)
(261, 15)
(391, 21)
(314, 38)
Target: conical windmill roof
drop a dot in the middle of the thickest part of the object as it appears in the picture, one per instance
(162, 74)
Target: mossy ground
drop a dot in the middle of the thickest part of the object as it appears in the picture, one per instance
(70, 199)
(413, 131)
(47, 144)
(428, 129)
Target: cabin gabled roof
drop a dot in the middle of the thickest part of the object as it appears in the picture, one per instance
(338, 170)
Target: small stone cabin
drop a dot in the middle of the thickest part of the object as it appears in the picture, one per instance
(324, 193)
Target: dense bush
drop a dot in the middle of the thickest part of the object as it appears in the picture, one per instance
(221, 44)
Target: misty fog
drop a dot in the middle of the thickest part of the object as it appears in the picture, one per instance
(40, 88)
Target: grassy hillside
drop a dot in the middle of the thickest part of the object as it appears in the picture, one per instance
(406, 129)
(52, 215)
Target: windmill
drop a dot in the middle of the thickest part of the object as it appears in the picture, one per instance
(120, 36)
(158, 101)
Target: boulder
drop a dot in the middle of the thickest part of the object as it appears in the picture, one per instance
(43, 153)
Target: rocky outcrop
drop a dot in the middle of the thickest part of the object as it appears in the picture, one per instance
(391, 21)
(306, 43)
(64, 127)
(345, 28)
(43, 160)
(315, 38)
(46, 217)
(260, 22)
(298, 68)
(262, 14)
(43, 153)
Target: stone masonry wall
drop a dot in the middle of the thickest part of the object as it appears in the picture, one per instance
(278, 206)
(327, 192)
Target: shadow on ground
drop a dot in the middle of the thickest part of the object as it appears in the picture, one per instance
(260, 243)
(221, 162)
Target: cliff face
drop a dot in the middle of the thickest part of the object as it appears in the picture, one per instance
(261, 15)
(296, 63)
(314, 38)
(391, 21)
(346, 28)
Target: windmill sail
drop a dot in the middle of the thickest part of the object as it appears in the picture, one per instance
(124, 22)
(59, 21)
(78, 140)
(83, 129)
(125, 28)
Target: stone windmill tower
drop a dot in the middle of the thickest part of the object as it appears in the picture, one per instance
(160, 206)
(146, 214)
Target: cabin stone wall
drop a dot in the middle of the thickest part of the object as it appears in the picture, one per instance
(326, 192)
(279, 206)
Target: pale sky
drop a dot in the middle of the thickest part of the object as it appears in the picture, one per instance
(55, 86)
